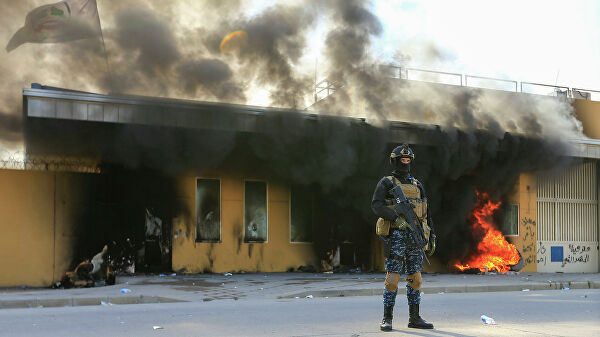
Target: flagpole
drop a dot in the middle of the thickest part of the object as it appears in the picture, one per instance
(110, 81)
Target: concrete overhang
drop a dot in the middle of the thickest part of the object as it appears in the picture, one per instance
(67, 105)
(77, 106)
(585, 148)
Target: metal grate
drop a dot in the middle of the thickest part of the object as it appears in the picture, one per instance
(567, 204)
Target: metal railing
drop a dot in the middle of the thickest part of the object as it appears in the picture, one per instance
(435, 73)
(490, 79)
(326, 87)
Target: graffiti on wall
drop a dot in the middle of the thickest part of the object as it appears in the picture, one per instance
(575, 254)
(528, 251)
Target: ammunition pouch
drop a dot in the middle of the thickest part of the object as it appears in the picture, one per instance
(427, 232)
(383, 227)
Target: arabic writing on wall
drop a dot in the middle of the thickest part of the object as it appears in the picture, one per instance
(575, 253)
(528, 252)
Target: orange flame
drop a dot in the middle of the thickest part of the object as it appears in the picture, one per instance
(493, 252)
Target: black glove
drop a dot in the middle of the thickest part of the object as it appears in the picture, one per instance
(431, 248)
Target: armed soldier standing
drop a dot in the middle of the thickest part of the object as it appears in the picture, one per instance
(407, 234)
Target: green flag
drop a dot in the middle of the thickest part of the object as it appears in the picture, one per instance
(63, 21)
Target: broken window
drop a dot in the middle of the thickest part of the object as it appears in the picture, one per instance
(510, 225)
(208, 210)
(301, 217)
(255, 211)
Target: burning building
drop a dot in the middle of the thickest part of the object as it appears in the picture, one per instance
(204, 187)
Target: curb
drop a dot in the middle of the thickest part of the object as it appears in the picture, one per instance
(83, 301)
(452, 289)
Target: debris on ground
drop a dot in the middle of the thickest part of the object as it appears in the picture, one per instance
(487, 320)
(97, 272)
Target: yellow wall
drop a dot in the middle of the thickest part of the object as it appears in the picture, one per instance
(27, 240)
(36, 245)
(232, 254)
(588, 112)
(525, 196)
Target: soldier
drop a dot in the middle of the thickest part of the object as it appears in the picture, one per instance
(403, 255)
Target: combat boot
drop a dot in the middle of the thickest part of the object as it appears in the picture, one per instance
(388, 314)
(414, 320)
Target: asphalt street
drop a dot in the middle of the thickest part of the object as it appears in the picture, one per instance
(517, 313)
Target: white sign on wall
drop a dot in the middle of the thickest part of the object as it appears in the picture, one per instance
(567, 257)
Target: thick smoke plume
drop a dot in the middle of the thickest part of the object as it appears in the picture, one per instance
(172, 49)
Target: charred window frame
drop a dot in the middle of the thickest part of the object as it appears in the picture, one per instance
(301, 214)
(510, 223)
(208, 210)
(255, 211)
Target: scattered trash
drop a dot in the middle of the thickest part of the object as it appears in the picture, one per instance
(525, 290)
(162, 275)
(234, 287)
(307, 269)
(227, 274)
(174, 274)
(105, 303)
(222, 284)
(565, 288)
(441, 292)
(157, 327)
(262, 288)
(125, 290)
(297, 297)
(487, 320)
(309, 296)
(326, 296)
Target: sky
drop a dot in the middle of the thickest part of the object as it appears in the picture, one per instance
(550, 42)
(168, 49)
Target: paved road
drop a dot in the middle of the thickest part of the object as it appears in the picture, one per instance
(534, 313)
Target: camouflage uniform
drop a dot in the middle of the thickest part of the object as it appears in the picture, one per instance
(404, 255)
(402, 245)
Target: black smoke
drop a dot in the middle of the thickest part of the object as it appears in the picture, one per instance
(339, 159)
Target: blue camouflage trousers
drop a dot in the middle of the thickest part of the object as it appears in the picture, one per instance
(402, 245)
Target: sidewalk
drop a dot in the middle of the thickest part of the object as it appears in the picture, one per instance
(209, 287)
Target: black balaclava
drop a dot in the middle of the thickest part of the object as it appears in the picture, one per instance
(400, 169)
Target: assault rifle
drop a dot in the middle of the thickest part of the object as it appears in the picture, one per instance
(405, 208)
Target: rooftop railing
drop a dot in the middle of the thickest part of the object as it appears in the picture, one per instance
(326, 87)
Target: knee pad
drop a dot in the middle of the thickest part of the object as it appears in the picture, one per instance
(391, 281)
(414, 280)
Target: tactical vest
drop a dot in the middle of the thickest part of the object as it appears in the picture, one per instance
(413, 194)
